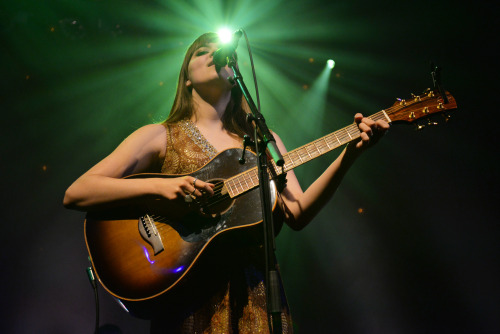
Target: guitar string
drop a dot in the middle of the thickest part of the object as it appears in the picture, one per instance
(319, 145)
(423, 98)
(213, 200)
(217, 198)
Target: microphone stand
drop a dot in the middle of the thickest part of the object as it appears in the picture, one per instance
(273, 292)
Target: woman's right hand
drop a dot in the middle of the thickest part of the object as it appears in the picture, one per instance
(180, 187)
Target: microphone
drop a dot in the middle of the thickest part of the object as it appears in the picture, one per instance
(220, 56)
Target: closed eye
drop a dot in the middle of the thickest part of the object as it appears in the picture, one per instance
(201, 53)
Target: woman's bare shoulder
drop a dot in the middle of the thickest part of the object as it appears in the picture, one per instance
(147, 135)
(154, 129)
(152, 137)
(138, 153)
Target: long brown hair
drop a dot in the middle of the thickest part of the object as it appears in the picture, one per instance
(235, 115)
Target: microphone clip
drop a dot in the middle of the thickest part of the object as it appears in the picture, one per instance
(247, 141)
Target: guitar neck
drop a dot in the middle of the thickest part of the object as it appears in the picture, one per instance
(324, 145)
(249, 179)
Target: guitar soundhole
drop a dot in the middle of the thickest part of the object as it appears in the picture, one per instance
(217, 204)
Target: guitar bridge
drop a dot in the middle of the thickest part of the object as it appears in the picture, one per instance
(149, 232)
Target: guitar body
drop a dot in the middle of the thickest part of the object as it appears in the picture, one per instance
(139, 255)
(163, 253)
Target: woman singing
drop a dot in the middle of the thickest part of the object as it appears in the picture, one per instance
(208, 116)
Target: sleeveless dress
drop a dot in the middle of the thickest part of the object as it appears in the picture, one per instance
(238, 305)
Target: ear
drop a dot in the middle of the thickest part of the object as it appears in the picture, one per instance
(188, 83)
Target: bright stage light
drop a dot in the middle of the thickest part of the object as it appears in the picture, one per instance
(225, 35)
(330, 63)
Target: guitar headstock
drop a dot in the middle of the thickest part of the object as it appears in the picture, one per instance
(421, 106)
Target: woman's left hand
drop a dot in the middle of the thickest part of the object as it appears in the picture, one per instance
(371, 131)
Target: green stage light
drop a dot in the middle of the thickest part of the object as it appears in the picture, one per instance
(225, 35)
(330, 63)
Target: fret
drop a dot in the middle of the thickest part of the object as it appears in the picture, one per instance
(355, 134)
(387, 119)
(291, 161)
(229, 186)
(316, 147)
(300, 157)
(299, 161)
(254, 178)
(249, 179)
(243, 182)
(275, 168)
(304, 148)
(311, 150)
(330, 141)
(249, 182)
(340, 144)
(327, 145)
(288, 162)
(246, 183)
(290, 157)
(238, 185)
(342, 135)
(304, 155)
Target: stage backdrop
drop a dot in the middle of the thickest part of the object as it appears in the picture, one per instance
(409, 244)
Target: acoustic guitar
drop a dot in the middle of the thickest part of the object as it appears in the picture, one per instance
(144, 252)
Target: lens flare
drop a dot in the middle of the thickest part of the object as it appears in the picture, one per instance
(225, 35)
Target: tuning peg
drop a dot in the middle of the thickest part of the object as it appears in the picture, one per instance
(401, 101)
(416, 98)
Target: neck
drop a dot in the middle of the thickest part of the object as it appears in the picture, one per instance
(210, 110)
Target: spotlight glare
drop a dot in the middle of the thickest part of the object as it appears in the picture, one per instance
(330, 63)
(225, 35)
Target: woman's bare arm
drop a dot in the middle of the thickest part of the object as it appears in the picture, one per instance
(103, 185)
(301, 207)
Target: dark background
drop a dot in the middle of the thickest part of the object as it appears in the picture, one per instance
(420, 257)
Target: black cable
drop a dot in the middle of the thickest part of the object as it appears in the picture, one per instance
(253, 69)
(91, 276)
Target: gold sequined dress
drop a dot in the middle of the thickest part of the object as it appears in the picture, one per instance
(238, 303)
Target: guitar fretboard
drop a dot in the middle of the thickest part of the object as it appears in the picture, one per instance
(249, 179)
